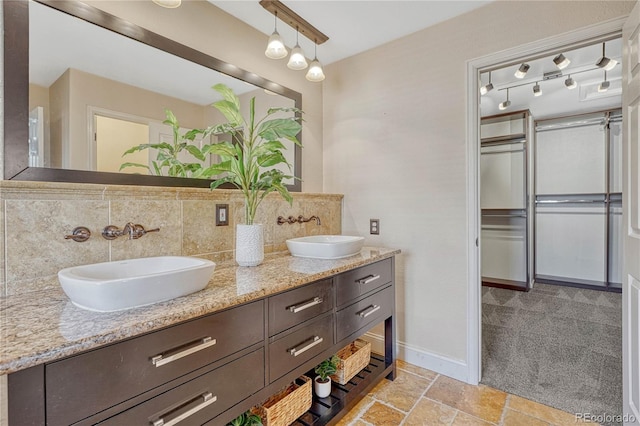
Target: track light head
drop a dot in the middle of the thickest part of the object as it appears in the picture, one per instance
(504, 105)
(486, 89)
(522, 71)
(604, 86)
(536, 90)
(606, 64)
(570, 83)
(561, 62)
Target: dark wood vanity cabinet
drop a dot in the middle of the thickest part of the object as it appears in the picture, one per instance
(213, 368)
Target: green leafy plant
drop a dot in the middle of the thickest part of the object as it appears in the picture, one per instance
(327, 367)
(246, 419)
(167, 162)
(247, 163)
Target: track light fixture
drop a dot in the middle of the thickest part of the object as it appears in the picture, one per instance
(604, 86)
(169, 4)
(315, 72)
(561, 62)
(570, 83)
(522, 71)
(487, 87)
(504, 105)
(605, 63)
(297, 61)
(275, 46)
(536, 90)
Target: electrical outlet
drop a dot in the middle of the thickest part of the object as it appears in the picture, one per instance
(374, 226)
(222, 214)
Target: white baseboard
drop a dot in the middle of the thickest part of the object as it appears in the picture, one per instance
(441, 365)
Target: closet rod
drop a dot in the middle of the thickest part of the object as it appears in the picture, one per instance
(568, 201)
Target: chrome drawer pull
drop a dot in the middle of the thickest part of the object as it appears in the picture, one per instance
(368, 279)
(160, 360)
(366, 312)
(305, 305)
(315, 340)
(207, 398)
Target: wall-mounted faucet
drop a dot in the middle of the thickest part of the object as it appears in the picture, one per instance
(133, 230)
(79, 234)
(299, 219)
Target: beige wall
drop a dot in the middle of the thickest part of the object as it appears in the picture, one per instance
(394, 145)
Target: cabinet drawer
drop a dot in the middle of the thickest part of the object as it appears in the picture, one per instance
(200, 399)
(357, 282)
(85, 384)
(296, 306)
(367, 311)
(290, 351)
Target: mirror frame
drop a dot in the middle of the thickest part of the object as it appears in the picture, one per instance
(16, 95)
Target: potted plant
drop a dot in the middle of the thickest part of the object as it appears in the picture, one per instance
(246, 419)
(322, 382)
(247, 163)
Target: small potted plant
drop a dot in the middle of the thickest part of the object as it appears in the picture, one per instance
(322, 382)
(246, 419)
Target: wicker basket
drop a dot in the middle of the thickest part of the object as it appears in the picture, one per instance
(286, 406)
(353, 358)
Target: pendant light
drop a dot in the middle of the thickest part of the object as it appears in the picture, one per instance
(561, 62)
(504, 105)
(169, 4)
(297, 61)
(275, 46)
(537, 91)
(604, 86)
(570, 83)
(315, 72)
(487, 87)
(605, 63)
(522, 71)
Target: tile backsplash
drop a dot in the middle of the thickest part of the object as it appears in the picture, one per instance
(37, 215)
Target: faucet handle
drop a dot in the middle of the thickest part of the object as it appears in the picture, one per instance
(139, 231)
(79, 234)
(111, 232)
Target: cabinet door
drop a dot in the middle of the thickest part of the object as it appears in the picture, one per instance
(82, 385)
(296, 306)
(200, 399)
(292, 350)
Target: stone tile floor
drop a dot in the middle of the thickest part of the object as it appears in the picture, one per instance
(422, 397)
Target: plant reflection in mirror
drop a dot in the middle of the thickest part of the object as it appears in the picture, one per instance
(168, 159)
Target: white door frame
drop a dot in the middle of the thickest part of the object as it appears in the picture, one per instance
(543, 47)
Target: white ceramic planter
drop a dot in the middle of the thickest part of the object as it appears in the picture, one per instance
(249, 245)
(322, 390)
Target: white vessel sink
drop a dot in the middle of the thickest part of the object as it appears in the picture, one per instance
(325, 246)
(125, 284)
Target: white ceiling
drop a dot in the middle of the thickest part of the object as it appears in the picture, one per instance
(353, 26)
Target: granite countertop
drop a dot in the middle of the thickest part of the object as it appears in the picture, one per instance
(43, 326)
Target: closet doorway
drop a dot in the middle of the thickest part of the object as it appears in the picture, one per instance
(557, 342)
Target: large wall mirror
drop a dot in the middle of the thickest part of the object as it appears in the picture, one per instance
(83, 86)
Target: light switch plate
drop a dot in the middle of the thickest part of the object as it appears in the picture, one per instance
(222, 214)
(374, 226)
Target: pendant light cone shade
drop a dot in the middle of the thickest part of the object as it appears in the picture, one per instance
(570, 83)
(315, 72)
(169, 4)
(504, 105)
(297, 61)
(487, 87)
(522, 71)
(537, 91)
(275, 47)
(605, 63)
(561, 62)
